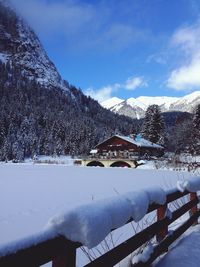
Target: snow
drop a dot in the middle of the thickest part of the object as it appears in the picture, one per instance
(49, 189)
(156, 195)
(141, 142)
(3, 57)
(186, 251)
(144, 256)
(189, 98)
(145, 143)
(42, 159)
(192, 185)
(81, 224)
(111, 102)
(117, 107)
(146, 164)
(33, 193)
(137, 116)
(135, 102)
(44, 70)
(140, 104)
(93, 151)
(168, 213)
(158, 100)
(187, 158)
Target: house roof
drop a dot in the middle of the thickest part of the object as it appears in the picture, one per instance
(140, 142)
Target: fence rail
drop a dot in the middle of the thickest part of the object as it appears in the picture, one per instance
(62, 252)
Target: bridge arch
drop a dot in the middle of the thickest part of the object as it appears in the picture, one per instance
(120, 163)
(95, 163)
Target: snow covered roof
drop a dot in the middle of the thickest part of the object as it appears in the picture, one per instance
(93, 151)
(140, 142)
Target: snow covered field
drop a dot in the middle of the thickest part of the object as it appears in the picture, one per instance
(30, 194)
(185, 253)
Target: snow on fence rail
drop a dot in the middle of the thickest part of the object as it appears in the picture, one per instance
(89, 224)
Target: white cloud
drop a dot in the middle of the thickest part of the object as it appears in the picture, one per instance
(103, 93)
(79, 24)
(187, 76)
(159, 58)
(134, 82)
(106, 92)
(50, 18)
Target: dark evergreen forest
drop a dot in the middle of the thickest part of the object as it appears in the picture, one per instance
(36, 120)
(178, 132)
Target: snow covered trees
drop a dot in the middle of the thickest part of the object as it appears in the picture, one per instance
(196, 130)
(38, 120)
(153, 127)
(185, 134)
(196, 121)
(191, 137)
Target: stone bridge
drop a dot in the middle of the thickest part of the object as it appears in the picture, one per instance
(130, 163)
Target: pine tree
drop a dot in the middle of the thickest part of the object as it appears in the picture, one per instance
(196, 130)
(153, 127)
(2, 132)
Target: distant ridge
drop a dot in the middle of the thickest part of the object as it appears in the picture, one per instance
(136, 107)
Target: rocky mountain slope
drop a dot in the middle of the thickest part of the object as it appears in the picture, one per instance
(136, 107)
(20, 46)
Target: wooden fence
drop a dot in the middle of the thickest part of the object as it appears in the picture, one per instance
(62, 252)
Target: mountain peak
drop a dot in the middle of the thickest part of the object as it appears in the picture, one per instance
(111, 102)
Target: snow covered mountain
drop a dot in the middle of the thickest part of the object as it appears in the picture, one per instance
(112, 102)
(20, 47)
(136, 107)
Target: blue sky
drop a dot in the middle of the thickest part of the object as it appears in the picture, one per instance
(123, 48)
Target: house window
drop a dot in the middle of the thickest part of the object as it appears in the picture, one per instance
(126, 154)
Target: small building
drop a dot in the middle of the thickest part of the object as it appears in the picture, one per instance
(123, 151)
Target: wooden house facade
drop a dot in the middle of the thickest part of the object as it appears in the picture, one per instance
(126, 147)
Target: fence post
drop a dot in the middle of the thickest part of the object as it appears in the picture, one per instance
(194, 210)
(67, 259)
(161, 213)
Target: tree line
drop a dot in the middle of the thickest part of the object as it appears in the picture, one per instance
(35, 120)
(183, 136)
